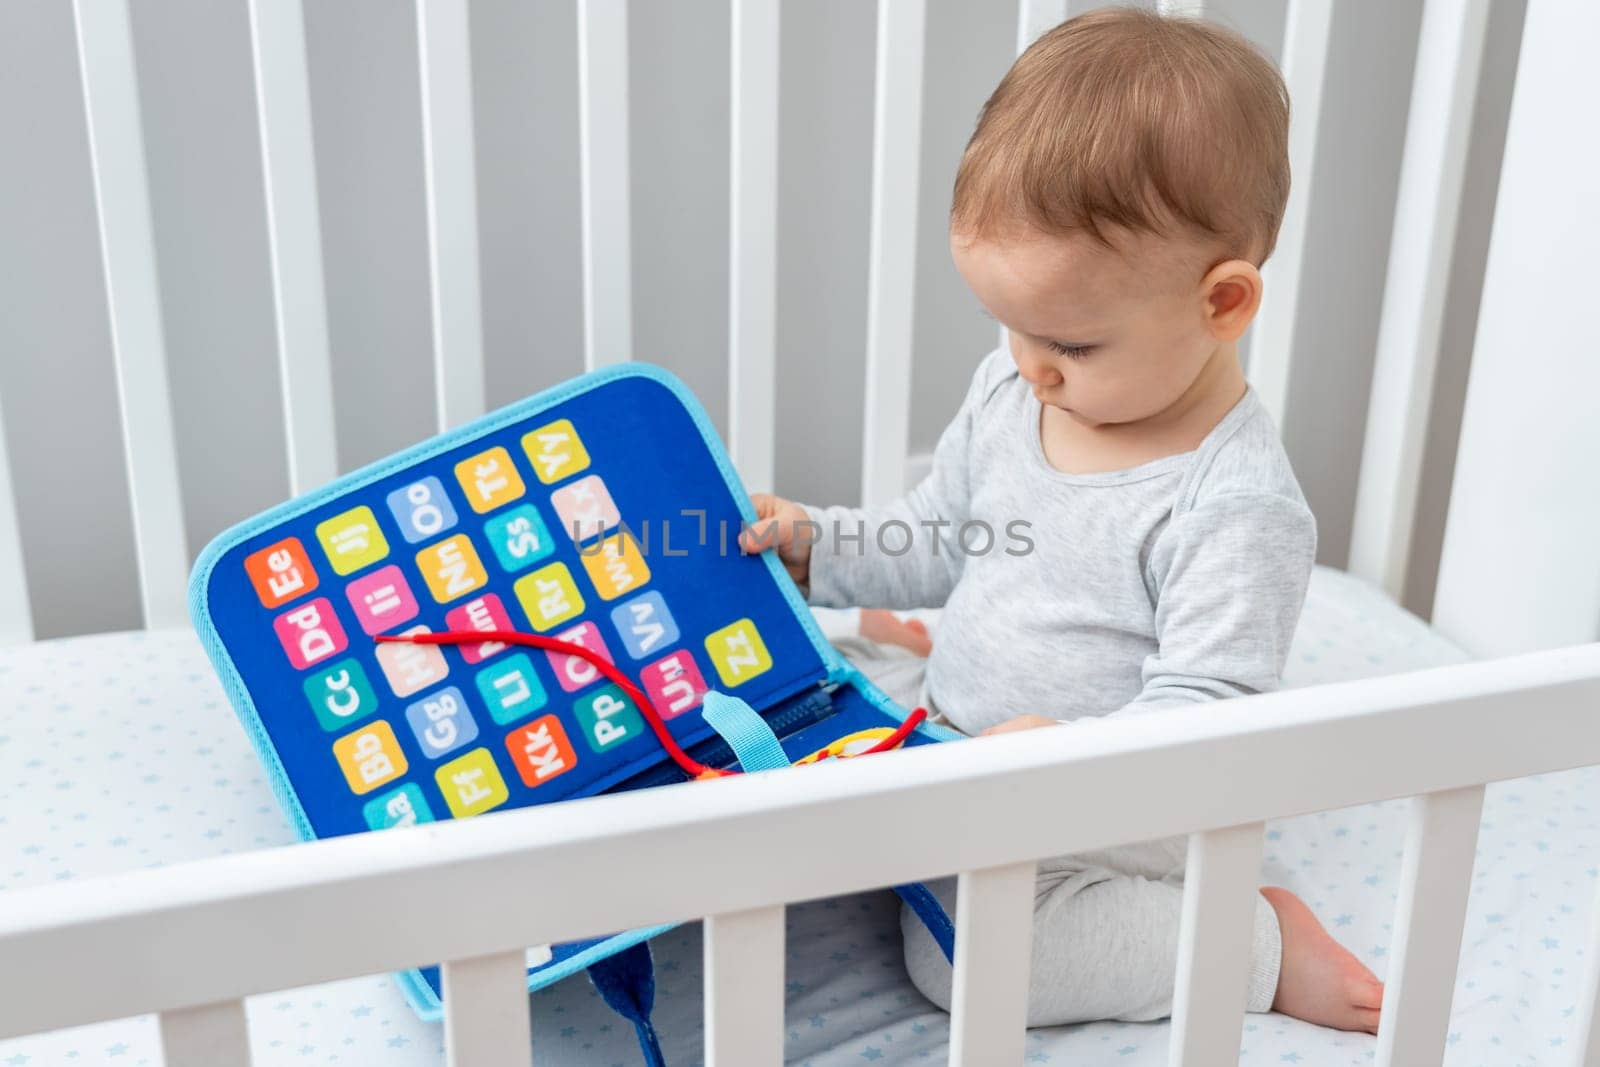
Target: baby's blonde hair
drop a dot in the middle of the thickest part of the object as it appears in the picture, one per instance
(1126, 119)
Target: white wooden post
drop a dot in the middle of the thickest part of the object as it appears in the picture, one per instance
(444, 49)
(294, 239)
(486, 1011)
(1220, 892)
(206, 1036)
(1435, 877)
(892, 254)
(994, 958)
(753, 241)
(1518, 569)
(138, 344)
(744, 956)
(1035, 17)
(16, 614)
(603, 162)
(1305, 61)
(1589, 1034)
(1444, 91)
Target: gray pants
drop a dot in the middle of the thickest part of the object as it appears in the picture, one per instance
(1105, 923)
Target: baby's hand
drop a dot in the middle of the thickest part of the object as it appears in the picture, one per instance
(775, 528)
(1021, 722)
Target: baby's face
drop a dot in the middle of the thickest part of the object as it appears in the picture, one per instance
(1108, 336)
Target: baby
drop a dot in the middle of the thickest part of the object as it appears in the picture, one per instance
(1110, 523)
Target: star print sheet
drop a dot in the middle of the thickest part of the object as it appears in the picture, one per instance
(119, 752)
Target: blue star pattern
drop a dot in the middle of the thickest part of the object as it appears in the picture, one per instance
(70, 810)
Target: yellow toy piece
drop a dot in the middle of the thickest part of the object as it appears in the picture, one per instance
(849, 745)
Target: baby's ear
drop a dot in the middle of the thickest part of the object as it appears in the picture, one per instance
(1232, 292)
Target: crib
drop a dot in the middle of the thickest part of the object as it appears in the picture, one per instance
(1507, 689)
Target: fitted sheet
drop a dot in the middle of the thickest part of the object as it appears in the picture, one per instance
(119, 752)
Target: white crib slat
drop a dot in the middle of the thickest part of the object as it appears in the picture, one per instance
(1189, 9)
(294, 239)
(1034, 17)
(16, 614)
(1435, 875)
(486, 1011)
(1518, 569)
(1219, 902)
(744, 988)
(205, 1036)
(603, 162)
(994, 955)
(128, 252)
(753, 240)
(1305, 61)
(1589, 1035)
(445, 53)
(892, 255)
(1444, 91)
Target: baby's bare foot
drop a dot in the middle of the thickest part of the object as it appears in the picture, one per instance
(1319, 980)
(887, 628)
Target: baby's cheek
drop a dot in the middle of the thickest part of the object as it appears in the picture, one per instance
(1119, 389)
(1162, 374)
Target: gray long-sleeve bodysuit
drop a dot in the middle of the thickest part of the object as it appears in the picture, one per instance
(1179, 581)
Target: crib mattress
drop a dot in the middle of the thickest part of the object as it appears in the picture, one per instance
(120, 751)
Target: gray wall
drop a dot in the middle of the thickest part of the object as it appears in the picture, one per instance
(56, 376)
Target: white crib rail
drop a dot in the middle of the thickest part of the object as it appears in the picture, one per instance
(486, 1009)
(445, 63)
(16, 613)
(1305, 63)
(753, 240)
(1034, 17)
(133, 299)
(1435, 875)
(603, 159)
(744, 987)
(892, 255)
(294, 240)
(994, 943)
(205, 1035)
(213, 931)
(1219, 899)
(1438, 132)
(1589, 1033)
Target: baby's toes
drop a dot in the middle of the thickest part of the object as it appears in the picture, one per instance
(1364, 993)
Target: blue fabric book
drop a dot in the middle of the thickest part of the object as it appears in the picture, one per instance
(603, 512)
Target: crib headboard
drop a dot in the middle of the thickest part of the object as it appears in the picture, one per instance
(1499, 511)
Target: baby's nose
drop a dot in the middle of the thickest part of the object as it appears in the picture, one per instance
(1040, 373)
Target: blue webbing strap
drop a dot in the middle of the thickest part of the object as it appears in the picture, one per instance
(626, 981)
(747, 733)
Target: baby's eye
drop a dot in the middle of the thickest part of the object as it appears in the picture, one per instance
(1070, 351)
